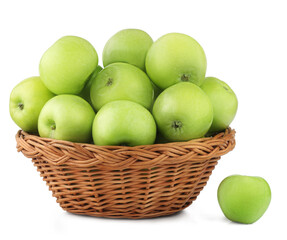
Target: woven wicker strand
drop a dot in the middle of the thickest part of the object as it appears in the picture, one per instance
(125, 182)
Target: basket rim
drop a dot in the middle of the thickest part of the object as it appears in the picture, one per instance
(60, 152)
(220, 135)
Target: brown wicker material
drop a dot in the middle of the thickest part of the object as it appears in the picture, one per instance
(125, 182)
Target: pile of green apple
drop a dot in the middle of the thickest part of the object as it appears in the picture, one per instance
(147, 92)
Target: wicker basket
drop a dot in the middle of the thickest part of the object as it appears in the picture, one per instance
(125, 182)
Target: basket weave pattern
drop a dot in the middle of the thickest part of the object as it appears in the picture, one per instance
(125, 182)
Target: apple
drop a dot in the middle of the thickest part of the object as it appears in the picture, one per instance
(67, 117)
(124, 122)
(121, 81)
(129, 46)
(175, 58)
(85, 93)
(183, 112)
(26, 101)
(224, 103)
(244, 199)
(67, 64)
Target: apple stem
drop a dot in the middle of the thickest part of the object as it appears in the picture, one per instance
(53, 126)
(176, 124)
(109, 82)
(21, 106)
(185, 77)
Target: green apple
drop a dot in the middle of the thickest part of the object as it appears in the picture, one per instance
(124, 122)
(183, 112)
(85, 93)
(129, 46)
(224, 103)
(67, 64)
(67, 117)
(121, 81)
(244, 199)
(26, 101)
(175, 58)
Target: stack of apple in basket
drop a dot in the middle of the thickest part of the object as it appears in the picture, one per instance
(137, 138)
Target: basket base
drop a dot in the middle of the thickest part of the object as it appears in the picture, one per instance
(175, 213)
(131, 216)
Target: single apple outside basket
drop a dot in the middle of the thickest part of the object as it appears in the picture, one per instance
(125, 182)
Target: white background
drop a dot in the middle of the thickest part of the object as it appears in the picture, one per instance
(245, 44)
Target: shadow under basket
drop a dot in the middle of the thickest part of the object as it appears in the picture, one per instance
(125, 182)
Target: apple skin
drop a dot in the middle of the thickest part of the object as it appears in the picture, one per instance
(121, 81)
(65, 67)
(85, 93)
(124, 122)
(26, 101)
(244, 199)
(183, 112)
(224, 102)
(175, 58)
(67, 117)
(129, 46)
